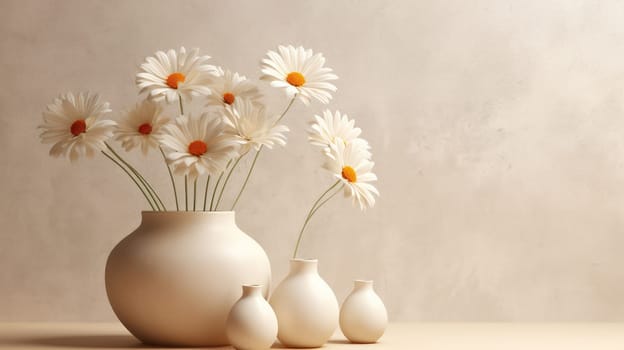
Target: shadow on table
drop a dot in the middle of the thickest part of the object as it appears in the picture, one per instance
(97, 342)
(89, 341)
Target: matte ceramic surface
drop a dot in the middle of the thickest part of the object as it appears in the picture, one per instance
(252, 324)
(363, 316)
(305, 305)
(175, 278)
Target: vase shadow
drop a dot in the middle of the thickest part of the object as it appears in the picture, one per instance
(90, 341)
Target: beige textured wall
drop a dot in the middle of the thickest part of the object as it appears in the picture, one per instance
(497, 129)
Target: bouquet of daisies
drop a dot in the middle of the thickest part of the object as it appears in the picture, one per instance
(203, 150)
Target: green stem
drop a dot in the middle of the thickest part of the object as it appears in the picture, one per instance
(286, 109)
(180, 102)
(214, 192)
(227, 178)
(206, 191)
(194, 193)
(311, 212)
(145, 183)
(131, 177)
(186, 192)
(325, 201)
(175, 192)
(251, 168)
(253, 164)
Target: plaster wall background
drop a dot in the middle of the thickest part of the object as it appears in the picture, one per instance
(497, 130)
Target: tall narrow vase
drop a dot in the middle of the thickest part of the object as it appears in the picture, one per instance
(306, 307)
(173, 280)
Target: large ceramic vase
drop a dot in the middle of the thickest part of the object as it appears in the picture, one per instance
(173, 280)
(305, 306)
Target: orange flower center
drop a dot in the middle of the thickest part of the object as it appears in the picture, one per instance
(145, 128)
(197, 148)
(174, 79)
(349, 174)
(78, 127)
(295, 79)
(228, 98)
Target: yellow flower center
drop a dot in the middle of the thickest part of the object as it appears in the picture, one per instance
(174, 79)
(145, 128)
(228, 98)
(349, 174)
(295, 79)
(197, 148)
(78, 127)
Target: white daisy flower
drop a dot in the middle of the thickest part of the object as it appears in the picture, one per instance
(350, 164)
(334, 128)
(226, 87)
(168, 75)
(300, 73)
(249, 122)
(72, 124)
(198, 145)
(141, 127)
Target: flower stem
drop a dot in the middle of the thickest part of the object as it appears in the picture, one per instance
(194, 193)
(214, 192)
(312, 211)
(251, 168)
(286, 109)
(186, 192)
(206, 191)
(131, 177)
(325, 201)
(253, 164)
(180, 103)
(227, 178)
(175, 192)
(148, 187)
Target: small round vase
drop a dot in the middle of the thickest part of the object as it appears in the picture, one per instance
(173, 281)
(363, 316)
(306, 307)
(252, 324)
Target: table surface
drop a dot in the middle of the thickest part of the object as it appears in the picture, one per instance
(422, 336)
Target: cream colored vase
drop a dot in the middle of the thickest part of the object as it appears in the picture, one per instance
(252, 324)
(363, 316)
(306, 307)
(174, 279)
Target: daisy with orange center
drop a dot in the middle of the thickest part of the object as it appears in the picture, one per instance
(332, 128)
(174, 74)
(295, 79)
(252, 126)
(229, 98)
(78, 127)
(349, 174)
(300, 73)
(174, 79)
(227, 87)
(73, 124)
(351, 166)
(145, 129)
(141, 127)
(198, 146)
(352, 169)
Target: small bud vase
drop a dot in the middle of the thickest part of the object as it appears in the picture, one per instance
(363, 316)
(251, 324)
(305, 306)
